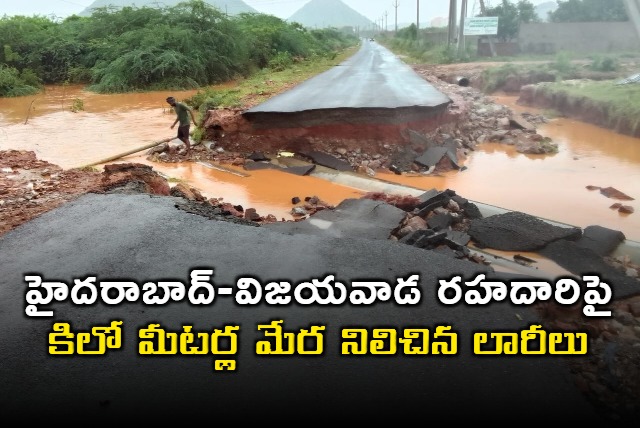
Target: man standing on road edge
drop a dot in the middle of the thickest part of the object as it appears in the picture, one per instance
(182, 112)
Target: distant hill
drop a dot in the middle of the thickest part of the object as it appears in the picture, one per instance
(329, 13)
(231, 7)
(543, 9)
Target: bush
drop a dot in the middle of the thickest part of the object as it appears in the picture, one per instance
(210, 99)
(600, 63)
(281, 61)
(494, 78)
(77, 105)
(30, 78)
(12, 85)
(79, 75)
(562, 64)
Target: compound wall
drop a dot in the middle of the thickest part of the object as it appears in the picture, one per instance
(603, 37)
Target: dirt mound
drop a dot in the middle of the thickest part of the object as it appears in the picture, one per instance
(30, 187)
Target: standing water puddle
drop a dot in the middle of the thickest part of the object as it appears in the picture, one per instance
(551, 186)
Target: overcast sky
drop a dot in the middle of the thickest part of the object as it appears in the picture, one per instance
(375, 10)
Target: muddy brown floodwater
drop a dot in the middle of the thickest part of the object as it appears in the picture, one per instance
(549, 186)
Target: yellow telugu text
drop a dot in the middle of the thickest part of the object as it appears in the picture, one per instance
(440, 340)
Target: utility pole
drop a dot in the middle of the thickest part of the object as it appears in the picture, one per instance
(463, 15)
(417, 14)
(452, 21)
(633, 10)
(385, 21)
(395, 5)
(483, 11)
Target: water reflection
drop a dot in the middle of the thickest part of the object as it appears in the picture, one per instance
(548, 186)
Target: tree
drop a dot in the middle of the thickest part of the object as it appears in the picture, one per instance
(409, 33)
(511, 15)
(589, 11)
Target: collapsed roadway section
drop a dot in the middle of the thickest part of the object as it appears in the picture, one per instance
(372, 96)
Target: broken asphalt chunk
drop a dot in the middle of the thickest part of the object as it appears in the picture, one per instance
(584, 261)
(428, 195)
(420, 140)
(520, 122)
(435, 153)
(300, 170)
(431, 156)
(413, 237)
(327, 160)
(258, 156)
(458, 238)
(297, 170)
(602, 240)
(440, 199)
(357, 218)
(440, 221)
(252, 166)
(517, 231)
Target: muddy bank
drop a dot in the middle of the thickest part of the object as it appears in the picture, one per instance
(580, 108)
(530, 81)
(372, 130)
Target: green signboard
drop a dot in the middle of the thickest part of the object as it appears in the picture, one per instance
(479, 26)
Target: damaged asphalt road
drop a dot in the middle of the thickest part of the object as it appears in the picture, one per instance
(145, 238)
(372, 78)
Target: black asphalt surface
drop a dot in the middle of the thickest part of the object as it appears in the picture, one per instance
(142, 238)
(373, 78)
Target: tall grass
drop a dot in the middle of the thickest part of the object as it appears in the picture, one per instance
(620, 102)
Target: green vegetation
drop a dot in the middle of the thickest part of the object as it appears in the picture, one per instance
(619, 103)
(425, 46)
(548, 146)
(604, 63)
(510, 16)
(187, 46)
(562, 65)
(553, 69)
(431, 45)
(77, 105)
(589, 11)
(495, 77)
(176, 180)
(13, 84)
(88, 169)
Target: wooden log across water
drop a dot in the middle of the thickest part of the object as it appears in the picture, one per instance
(129, 152)
(166, 140)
